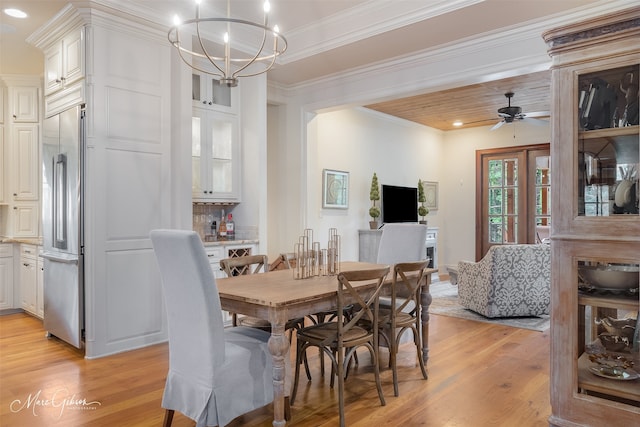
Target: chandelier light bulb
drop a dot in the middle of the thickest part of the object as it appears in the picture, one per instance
(276, 30)
(226, 38)
(176, 20)
(267, 6)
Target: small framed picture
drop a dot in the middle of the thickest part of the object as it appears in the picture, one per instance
(335, 189)
(431, 194)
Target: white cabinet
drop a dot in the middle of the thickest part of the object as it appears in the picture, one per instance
(20, 155)
(3, 96)
(28, 278)
(25, 219)
(3, 166)
(3, 159)
(64, 62)
(24, 104)
(215, 254)
(215, 154)
(6, 276)
(26, 162)
(39, 285)
(207, 92)
(25, 180)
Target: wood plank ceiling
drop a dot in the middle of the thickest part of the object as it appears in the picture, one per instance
(474, 105)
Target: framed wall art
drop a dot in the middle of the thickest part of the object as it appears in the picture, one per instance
(335, 189)
(431, 194)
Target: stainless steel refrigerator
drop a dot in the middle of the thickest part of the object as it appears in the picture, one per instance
(63, 148)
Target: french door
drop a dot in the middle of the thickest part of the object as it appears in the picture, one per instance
(513, 196)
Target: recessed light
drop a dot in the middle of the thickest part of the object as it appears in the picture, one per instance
(458, 123)
(16, 13)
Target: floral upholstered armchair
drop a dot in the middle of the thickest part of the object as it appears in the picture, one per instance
(510, 281)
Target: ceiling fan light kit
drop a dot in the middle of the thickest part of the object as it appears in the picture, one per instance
(511, 113)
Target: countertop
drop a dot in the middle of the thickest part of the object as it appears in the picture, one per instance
(27, 240)
(38, 241)
(231, 242)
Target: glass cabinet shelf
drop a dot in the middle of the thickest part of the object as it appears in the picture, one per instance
(608, 161)
(608, 142)
(608, 350)
(608, 98)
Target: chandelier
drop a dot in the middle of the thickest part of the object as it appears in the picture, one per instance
(229, 61)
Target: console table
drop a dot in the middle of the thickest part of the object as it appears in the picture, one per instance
(369, 241)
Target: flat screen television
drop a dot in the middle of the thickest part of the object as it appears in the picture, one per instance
(399, 204)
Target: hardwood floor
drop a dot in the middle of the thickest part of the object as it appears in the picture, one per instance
(479, 375)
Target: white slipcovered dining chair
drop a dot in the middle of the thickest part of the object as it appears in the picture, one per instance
(402, 242)
(215, 374)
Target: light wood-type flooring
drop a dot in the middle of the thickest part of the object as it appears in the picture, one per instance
(479, 375)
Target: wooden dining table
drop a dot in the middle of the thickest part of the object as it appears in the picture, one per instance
(277, 297)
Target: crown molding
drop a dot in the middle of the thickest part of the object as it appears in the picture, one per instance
(520, 49)
(360, 22)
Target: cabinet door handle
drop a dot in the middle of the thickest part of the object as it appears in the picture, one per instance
(58, 81)
(26, 264)
(63, 78)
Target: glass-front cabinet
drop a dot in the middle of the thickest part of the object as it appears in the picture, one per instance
(608, 156)
(595, 234)
(206, 91)
(215, 156)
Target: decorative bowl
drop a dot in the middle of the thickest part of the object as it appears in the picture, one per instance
(618, 327)
(612, 276)
(614, 342)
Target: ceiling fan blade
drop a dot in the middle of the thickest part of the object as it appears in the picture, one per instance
(497, 125)
(537, 114)
(537, 121)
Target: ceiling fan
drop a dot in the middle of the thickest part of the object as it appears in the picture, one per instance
(511, 113)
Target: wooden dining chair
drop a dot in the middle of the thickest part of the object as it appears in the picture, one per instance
(288, 260)
(249, 264)
(340, 339)
(405, 314)
(215, 374)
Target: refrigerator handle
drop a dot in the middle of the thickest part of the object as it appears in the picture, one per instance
(59, 207)
(59, 258)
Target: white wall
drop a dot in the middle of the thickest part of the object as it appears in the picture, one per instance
(457, 186)
(250, 214)
(361, 142)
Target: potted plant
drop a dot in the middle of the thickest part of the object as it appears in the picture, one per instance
(422, 209)
(374, 211)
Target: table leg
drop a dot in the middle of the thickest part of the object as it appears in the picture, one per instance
(279, 348)
(425, 302)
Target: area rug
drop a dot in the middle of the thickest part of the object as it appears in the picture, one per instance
(445, 303)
